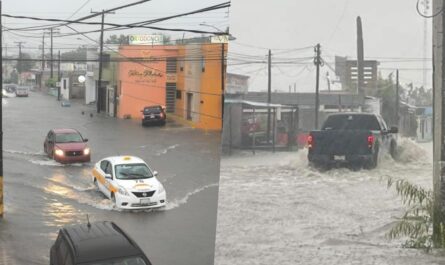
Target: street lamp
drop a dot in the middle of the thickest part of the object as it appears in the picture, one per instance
(227, 33)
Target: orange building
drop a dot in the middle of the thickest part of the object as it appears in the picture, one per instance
(186, 79)
(200, 84)
(147, 80)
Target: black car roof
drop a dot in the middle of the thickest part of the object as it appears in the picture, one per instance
(101, 241)
(152, 107)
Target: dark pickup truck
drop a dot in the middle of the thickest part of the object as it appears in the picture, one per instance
(354, 138)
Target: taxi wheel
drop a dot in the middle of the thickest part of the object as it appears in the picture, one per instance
(113, 198)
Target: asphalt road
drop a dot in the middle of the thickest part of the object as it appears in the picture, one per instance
(41, 196)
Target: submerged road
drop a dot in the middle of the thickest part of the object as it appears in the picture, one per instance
(41, 196)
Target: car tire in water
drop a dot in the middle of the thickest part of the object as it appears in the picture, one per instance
(113, 198)
(393, 150)
(96, 184)
(371, 164)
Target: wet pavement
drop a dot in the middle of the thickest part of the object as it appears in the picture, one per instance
(41, 196)
(274, 209)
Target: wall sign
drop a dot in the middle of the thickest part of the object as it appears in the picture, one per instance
(146, 39)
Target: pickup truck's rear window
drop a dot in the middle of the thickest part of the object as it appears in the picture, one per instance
(154, 109)
(351, 122)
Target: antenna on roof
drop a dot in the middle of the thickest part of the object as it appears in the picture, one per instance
(88, 220)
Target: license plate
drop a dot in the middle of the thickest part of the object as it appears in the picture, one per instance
(145, 201)
(152, 116)
(341, 158)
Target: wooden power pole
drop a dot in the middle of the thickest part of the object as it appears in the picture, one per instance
(438, 122)
(317, 62)
(269, 93)
(101, 51)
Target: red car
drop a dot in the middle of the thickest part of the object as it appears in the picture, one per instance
(67, 146)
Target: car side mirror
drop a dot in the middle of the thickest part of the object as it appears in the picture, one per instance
(108, 176)
(394, 130)
(85, 140)
(155, 173)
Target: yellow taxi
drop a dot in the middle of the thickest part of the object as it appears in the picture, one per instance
(129, 182)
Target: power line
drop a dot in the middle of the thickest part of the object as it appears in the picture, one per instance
(126, 26)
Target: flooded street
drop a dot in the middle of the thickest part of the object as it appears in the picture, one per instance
(274, 209)
(41, 195)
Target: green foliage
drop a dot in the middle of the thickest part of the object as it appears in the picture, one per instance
(417, 222)
(51, 82)
(14, 77)
(24, 66)
(115, 39)
(78, 54)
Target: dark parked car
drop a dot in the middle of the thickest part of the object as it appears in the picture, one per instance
(67, 146)
(99, 243)
(353, 138)
(153, 115)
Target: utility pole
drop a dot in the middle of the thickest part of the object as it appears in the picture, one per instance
(51, 32)
(317, 62)
(397, 98)
(20, 63)
(52, 62)
(438, 123)
(59, 79)
(101, 50)
(1, 115)
(360, 58)
(43, 53)
(426, 6)
(269, 93)
(222, 81)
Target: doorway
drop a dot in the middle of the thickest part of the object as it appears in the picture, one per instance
(189, 106)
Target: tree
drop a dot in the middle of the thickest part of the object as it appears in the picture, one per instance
(25, 64)
(78, 54)
(115, 39)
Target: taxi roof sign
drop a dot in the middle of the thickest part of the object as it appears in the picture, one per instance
(126, 158)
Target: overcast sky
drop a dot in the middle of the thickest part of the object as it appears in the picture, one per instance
(150, 10)
(391, 29)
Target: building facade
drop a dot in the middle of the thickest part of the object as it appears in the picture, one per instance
(186, 79)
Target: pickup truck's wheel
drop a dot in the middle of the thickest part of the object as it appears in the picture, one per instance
(371, 164)
(319, 166)
(393, 150)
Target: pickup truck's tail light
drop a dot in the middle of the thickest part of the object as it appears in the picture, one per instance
(310, 141)
(371, 140)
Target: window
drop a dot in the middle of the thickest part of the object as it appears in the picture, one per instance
(178, 94)
(68, 138)
(69, 259)
(109, 169)
(203, 64)
(133, 171)
(103, 165)
(63, 251)
(105, 60)
(171, 65)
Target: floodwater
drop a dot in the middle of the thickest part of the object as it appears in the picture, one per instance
(274, 209)
(41, 195)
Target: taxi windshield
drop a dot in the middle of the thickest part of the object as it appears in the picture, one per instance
(124, 261)
(68, 138)
(133, 171)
